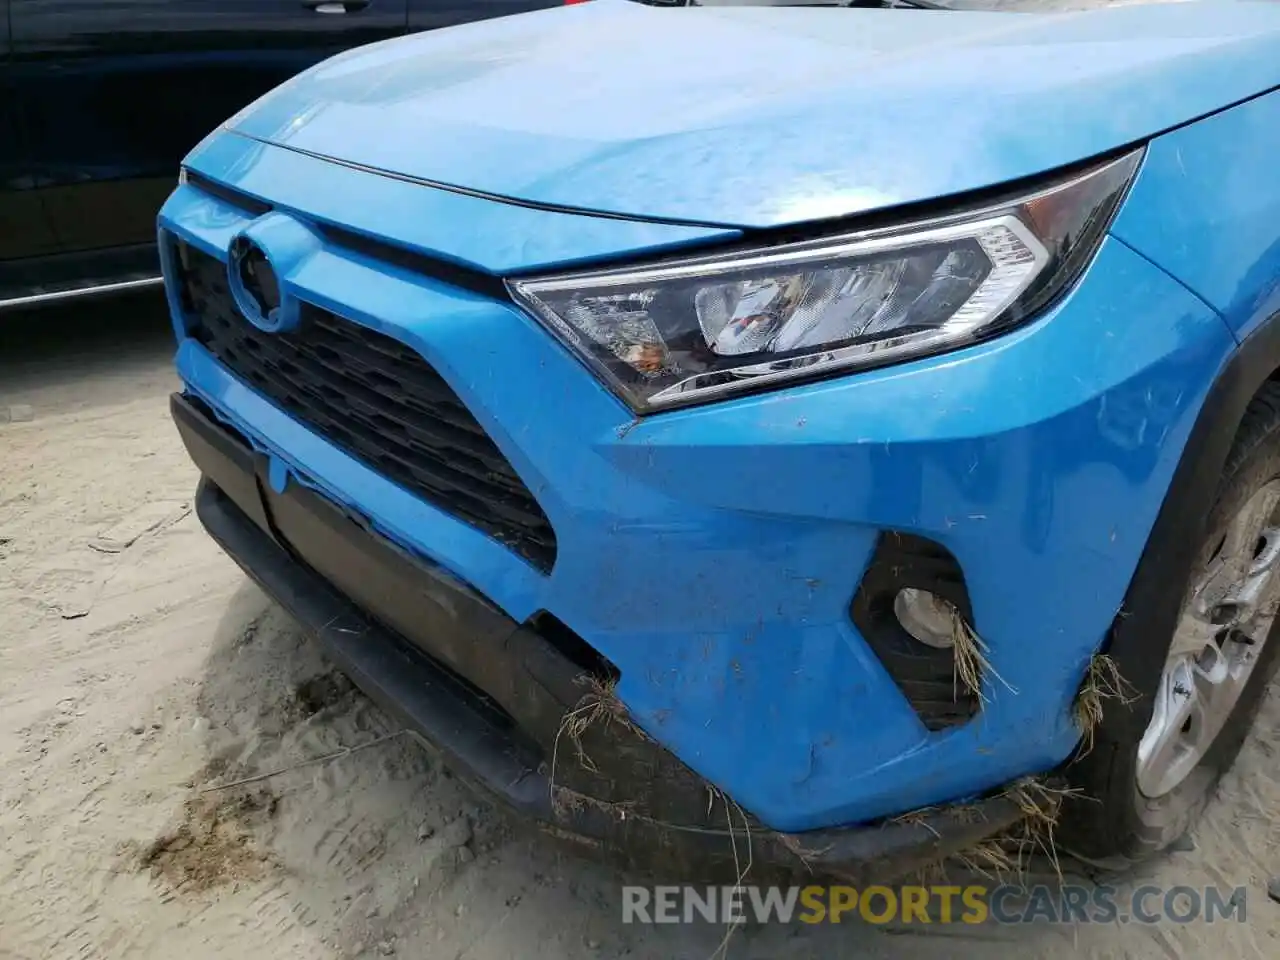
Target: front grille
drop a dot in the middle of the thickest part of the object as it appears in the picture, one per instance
(378, 400)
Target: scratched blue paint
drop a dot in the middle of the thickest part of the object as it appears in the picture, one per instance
(1208, 211)
(712, 553)
(763, 116)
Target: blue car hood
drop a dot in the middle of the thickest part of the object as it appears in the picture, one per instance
(757, 117)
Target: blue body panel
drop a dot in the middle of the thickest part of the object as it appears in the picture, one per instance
(712, 553)
(767, 116)
(471, 231)
(1207, 208)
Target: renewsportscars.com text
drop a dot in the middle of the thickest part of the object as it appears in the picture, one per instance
(933, 904)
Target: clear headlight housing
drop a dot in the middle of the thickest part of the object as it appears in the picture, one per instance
(695, 329)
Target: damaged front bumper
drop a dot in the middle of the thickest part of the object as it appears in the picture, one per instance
(505, 703)
(730, 564)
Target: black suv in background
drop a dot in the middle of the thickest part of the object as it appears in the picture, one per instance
(101, 99)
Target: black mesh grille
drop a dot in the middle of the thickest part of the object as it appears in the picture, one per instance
(378, 400)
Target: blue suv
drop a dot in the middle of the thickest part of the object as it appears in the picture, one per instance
(828, 427)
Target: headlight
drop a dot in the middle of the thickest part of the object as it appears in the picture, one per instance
(690, 330)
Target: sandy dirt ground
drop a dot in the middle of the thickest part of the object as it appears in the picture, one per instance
(140, 671)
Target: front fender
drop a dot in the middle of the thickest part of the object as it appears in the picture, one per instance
(1206, 208)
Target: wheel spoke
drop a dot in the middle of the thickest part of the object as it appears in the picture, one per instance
(1216, 693)
(1163, 750)
(1259, 595)
(1194, 633)
(1210, 671)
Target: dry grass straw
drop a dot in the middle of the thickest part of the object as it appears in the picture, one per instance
(565, 800)
(600, 704)
(971, 660)
(740, 868)
(989, 858)
(1102, 682)
(802, 853)
(916, 818)
(1040, 803)
(921, 817)
(1009, 853)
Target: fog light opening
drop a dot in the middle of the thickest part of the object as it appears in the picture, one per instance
(927, 617)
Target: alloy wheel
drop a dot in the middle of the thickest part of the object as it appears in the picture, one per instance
(1224, 624)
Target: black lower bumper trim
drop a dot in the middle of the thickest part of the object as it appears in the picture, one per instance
(492, 714)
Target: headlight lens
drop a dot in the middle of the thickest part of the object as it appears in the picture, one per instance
(691, 330)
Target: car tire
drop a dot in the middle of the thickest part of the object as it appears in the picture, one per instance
(1125, 810)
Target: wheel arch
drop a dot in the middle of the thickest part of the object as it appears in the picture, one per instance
(1153, 600)
(1094, 830)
